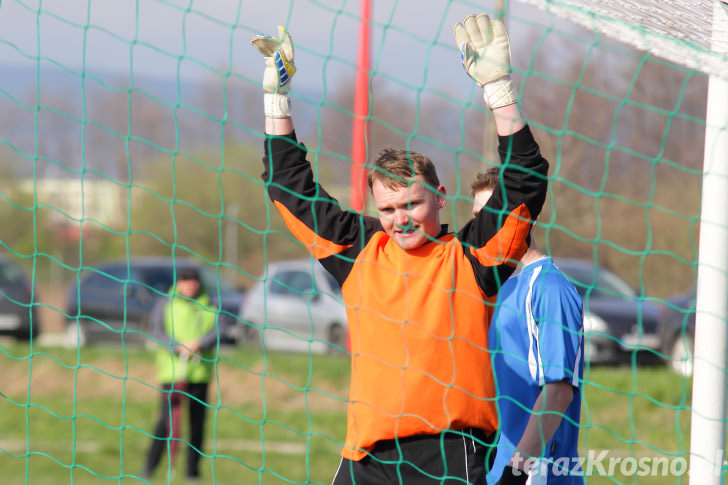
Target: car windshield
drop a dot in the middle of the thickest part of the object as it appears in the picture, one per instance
(160, 279)
(613, 285)
(212, 281)
(300, 282)
(605, 285)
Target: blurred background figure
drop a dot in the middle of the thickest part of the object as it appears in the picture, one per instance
(188, 331)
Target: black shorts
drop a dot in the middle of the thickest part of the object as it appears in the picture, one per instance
(451, 457)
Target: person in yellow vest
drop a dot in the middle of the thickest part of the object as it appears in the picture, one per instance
(185, 325)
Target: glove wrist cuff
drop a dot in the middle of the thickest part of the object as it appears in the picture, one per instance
(500, 92)
(277, 105)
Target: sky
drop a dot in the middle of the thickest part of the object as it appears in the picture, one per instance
(188, 40)
(412, 40)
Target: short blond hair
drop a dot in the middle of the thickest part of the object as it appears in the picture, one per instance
(396, 168)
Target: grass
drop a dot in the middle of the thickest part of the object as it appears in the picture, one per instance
(84, 417)
(642, 413)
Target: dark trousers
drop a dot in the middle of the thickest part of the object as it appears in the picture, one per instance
(461, 457)
(196, 396)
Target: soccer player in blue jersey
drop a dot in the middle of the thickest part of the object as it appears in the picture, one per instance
(537, 346)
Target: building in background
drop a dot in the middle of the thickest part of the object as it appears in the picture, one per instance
(100, 201)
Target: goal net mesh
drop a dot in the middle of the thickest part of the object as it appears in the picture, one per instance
(135, 129)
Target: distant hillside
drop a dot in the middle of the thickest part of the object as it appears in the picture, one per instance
(94, 123)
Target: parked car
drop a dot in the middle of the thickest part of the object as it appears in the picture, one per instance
(677, 335)
(17, 317)
(297, 306)
(617, 322)
(114, 300)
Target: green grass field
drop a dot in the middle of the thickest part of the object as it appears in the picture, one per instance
(84, 417)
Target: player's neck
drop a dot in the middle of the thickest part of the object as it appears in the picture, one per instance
(531, 256)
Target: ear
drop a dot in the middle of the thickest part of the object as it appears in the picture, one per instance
(441, 194)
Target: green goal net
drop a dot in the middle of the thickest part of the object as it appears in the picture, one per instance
(130, 150)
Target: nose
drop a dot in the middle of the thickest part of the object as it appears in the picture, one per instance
(402, 218)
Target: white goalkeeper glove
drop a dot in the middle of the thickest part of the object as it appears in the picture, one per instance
(486, 55)
(279, 70)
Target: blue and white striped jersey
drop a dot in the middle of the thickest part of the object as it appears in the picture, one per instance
(536, 337)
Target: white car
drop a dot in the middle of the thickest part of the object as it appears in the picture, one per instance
(296, 306)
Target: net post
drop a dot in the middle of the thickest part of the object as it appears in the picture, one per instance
(708, 419)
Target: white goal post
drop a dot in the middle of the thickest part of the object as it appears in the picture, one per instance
(692, 33)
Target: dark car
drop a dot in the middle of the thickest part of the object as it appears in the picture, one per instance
(617, 322)
(18, 318)
(677, 335)
(116, 299)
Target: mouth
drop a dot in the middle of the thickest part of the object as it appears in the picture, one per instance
(408, 232)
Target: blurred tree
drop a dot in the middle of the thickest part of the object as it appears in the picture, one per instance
(624, 136)
(26, 230)
(623, 133)
(187, 204)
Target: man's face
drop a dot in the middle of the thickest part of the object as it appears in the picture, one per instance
(479, 200)
(188, 287)
(409, 214)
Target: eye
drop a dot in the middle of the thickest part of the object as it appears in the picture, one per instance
(414, 203)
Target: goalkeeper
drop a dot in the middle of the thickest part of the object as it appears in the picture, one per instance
(419, 298)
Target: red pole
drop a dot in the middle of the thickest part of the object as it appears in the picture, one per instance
(361, 112)
(358, 179)
(176, 402)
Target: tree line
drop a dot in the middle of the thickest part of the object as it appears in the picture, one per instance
(623, 132)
